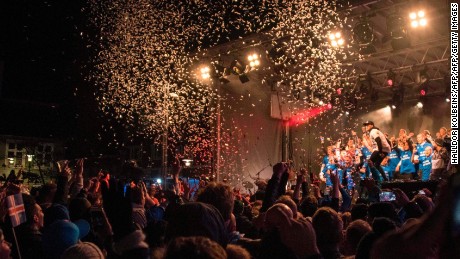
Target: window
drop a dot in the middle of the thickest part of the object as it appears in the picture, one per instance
(16, 153)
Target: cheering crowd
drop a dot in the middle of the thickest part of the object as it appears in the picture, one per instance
(103, 216)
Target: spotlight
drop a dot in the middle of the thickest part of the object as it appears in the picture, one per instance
(420, 105)
(423, 92)
(237, 67)
(396, 25)
(205, 72)
(336, 39)
(390, 82)
(447, 100)
(391, 76)
(221, 73)
(187, 162)
(158, 181)
(347, 113)
(240, 70)
(363, 34)
(321, 103)
(418, 19)
(253, 60)
(329, 106)
(393, 106)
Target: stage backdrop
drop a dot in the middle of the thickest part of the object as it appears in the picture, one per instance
(251, 139)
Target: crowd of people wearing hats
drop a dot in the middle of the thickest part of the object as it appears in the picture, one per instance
(77, 216)
(382, 157)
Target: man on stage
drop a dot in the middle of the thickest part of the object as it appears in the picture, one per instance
(381, 147)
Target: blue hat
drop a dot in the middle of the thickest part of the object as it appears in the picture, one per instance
(54, 213)
(62, 234)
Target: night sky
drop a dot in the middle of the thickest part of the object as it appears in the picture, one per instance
(46, 56)
(44, 63)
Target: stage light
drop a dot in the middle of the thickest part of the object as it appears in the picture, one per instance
(363, 35)
(391, 76)
(321, 103)
(253, 60)
(418, 19)
(347, 113)
(336, 39)
(420, 105)
(329, 106)
(205, 72)
(393, 106)
(447, 100)
(390, 82)
(158, 181)
(187, 162)
(240, 70)
(423, 92)
(397, 28)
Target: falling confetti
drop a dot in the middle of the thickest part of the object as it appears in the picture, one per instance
(147, 50)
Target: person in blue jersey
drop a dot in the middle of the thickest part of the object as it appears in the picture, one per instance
(405, 168)
(366, 155)
(332, 166)
(425, 165)
(327, 162)
(391, 161)
(348, 171)
(380, 144)
(419, 154)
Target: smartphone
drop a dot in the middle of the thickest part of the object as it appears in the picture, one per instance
(387, 196)
(456, 205)
(97, 215)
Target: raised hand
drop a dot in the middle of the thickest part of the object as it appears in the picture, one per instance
(79, 167)
(279, 169)
(401, 197)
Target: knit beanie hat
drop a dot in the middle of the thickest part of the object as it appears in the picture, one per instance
(83, 250)
(62, 234)
(197, 219)
(54, 213)
(439, 142)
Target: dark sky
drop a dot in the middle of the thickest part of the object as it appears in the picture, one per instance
(41, 49)
(44, 59)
